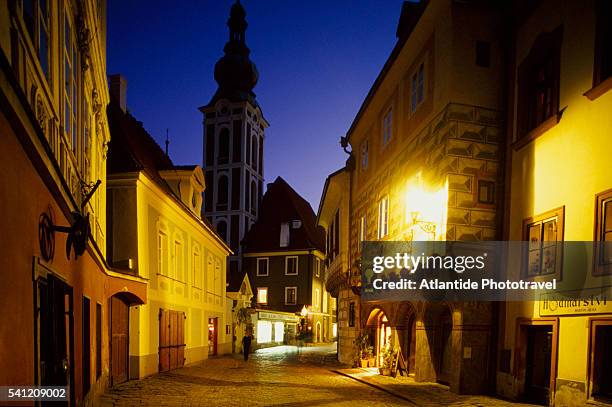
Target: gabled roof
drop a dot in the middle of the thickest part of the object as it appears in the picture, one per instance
(281, 204)
(132, 149)
(235, 280)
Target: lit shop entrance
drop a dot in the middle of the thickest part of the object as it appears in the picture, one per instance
(212, 336)
(379, 332)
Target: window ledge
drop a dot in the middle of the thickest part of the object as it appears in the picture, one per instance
(536, 132)
(599, 89)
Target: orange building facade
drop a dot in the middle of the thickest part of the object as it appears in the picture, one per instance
(65, 317)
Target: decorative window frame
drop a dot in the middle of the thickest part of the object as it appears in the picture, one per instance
(262, 289)
(163, 262)
(297, 263)
(294, 296)
(601, 199)
(559, 214)
(258, 273)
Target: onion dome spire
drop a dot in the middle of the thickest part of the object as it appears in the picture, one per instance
(235, 73)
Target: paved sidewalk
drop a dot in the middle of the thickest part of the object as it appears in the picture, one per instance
(421, 394)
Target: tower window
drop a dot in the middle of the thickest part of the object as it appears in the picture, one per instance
(222, 193)
(253, 198)
(224, 142)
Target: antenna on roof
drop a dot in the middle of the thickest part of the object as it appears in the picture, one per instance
(167, 143)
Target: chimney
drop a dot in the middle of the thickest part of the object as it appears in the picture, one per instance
(118, 90)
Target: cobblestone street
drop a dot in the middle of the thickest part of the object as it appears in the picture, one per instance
(277, 376)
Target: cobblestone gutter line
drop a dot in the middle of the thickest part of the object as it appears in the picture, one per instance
(376, 386)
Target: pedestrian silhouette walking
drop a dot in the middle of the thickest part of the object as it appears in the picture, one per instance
(246, 345)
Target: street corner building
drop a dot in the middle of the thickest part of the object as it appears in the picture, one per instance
(486, 122)
(64, 306)
(156, 232)
(283, 254)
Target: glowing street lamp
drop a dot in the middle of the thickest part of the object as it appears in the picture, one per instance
(304, 312)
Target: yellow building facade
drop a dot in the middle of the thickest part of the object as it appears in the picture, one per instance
(158, 234)
(559, 178)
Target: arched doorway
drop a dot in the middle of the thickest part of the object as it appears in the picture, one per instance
(379, 332)
(119, 338)
(318, 333)
(408, 341)
(119, 333)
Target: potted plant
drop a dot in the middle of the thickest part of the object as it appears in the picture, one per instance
(371, 358)
(388, 355)
(362, 349)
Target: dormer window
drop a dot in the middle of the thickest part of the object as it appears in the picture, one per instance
(284, 234)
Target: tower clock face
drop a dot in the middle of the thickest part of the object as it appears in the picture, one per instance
(223, 110)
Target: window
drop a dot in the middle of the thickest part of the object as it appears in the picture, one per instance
(383, 217)
(86, 141)
(317, 267)
(364, 155)
(262, 266)
(210, 274)
(178, 261)
(262, 295)
(196, 268)
(37, 18)
(222, 193)
(603, 233)
(362, 230)
(70, 84)
(417, 88)
(291, 265)
(284, 234)
(290, 295)
(218, 280)
(162, 253)
(483, 54)
(351, 315)
(539, 82)
(317, 298)
(387, 127)
(296, 224)
(224, 146)
(253, 198)
(603, 42)
(544, 232)
(254, 150)
(486, 192)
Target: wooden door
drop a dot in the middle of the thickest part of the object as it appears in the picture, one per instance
(171, 340)
(119, 340)
(56, 334)
(538, 362)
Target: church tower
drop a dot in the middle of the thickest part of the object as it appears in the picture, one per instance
(233, 142)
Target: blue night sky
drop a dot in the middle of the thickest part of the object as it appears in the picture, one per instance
(316, 60)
